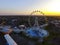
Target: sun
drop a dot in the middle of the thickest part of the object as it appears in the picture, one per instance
(54, 6)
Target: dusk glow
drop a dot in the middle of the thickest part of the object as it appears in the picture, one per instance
(13, 7)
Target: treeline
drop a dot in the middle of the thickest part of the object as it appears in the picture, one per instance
(18, 20)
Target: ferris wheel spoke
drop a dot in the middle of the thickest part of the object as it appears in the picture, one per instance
(35, 20)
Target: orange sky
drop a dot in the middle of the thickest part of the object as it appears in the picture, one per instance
(25, 7)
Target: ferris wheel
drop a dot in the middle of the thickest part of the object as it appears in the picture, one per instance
(34, 18)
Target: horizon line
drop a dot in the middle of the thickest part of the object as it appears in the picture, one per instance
(27, 15)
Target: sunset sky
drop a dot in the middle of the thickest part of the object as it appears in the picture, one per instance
(13, 7)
